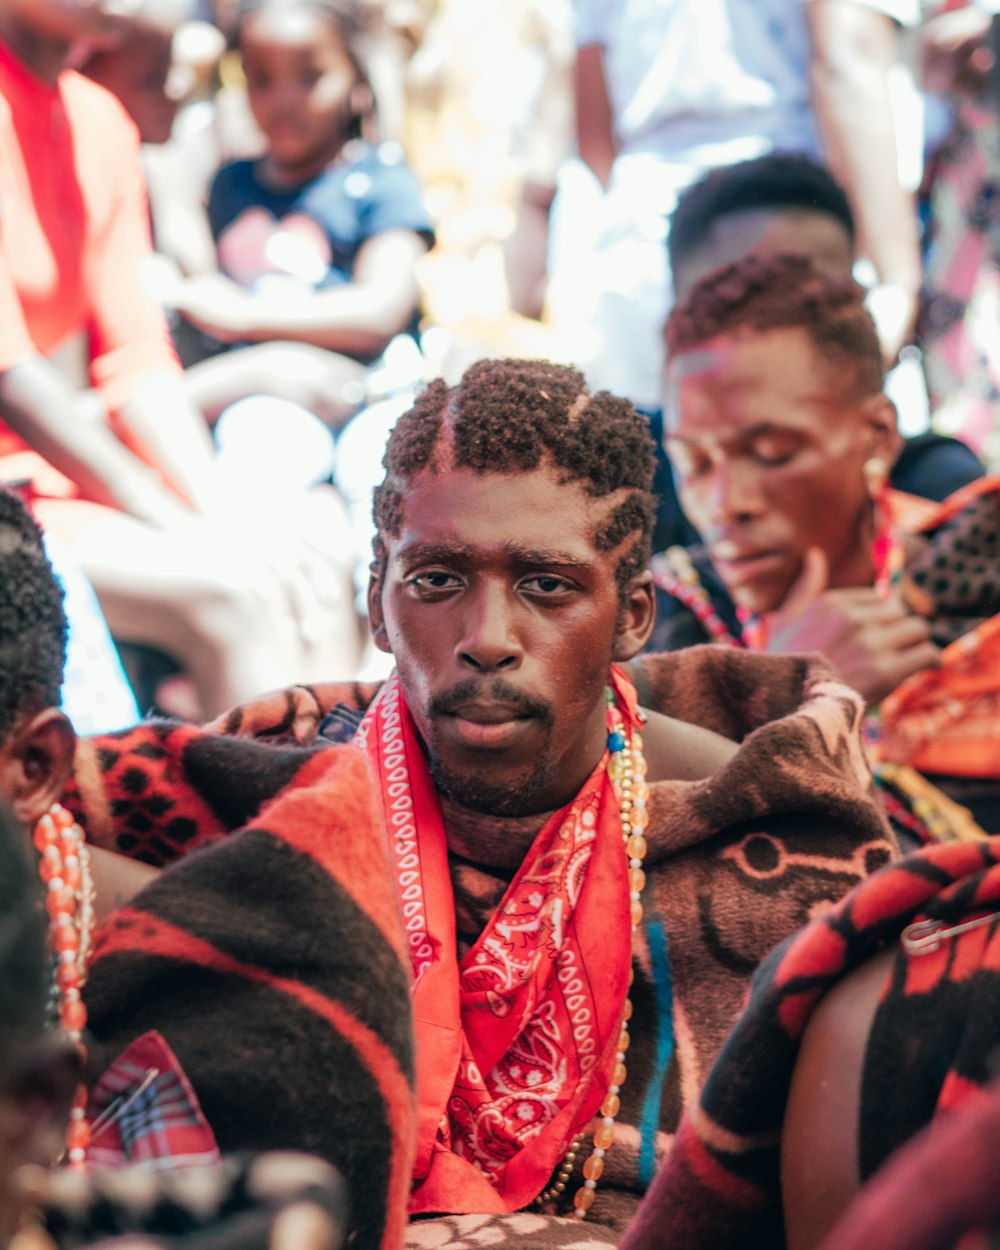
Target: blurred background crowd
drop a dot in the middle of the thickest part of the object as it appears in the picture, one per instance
(347, 199)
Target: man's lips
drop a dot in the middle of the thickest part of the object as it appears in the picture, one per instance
(741, 564)
(486, 725)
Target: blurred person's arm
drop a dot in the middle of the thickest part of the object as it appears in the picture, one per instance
(132, 359)
(161, 425)
(41, 408)
(180, 224)
(358, 318)
(854, 48)
(594, 124)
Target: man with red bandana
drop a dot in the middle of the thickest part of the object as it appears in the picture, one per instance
(589, 854)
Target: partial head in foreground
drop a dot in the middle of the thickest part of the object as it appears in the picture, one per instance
(513, 530)
(38, 1068)
(36, 739)
(780, 203)
(777, 425)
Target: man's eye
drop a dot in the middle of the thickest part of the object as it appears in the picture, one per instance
(773, 450)
(545, 584)
(688, 463)
(433, 580)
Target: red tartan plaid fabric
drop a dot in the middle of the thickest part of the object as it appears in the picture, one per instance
(143, 1110)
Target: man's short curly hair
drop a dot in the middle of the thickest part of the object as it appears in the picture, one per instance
(778, 182)
(32, 620)
(761, 293)
(515, 416)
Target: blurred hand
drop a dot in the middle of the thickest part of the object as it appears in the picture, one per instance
(873, 643)
(954, 55)
(216, 305)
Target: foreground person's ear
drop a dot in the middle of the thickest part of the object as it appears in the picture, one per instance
(376, 619)
(637, 617)
(36, 764)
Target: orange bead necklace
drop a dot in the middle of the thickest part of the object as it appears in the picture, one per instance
(64, 868)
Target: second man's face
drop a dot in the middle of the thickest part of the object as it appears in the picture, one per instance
(769, 445)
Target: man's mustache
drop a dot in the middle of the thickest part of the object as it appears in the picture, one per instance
(476, 690)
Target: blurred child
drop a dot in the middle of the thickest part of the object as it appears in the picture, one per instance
(319, 239)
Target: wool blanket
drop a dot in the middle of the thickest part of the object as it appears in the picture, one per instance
(736, 862)
(932, 1046)
(272, 961)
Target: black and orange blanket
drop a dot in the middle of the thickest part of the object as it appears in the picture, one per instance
(933, 1045)
(736, 862)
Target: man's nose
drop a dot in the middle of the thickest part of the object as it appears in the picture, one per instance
(734, 493)
(489, 640)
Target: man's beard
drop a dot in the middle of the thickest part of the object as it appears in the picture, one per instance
(478, 791)
(480, 794)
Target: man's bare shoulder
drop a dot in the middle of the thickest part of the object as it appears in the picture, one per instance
(677, 751)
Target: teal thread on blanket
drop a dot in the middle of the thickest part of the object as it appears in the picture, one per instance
(659, 957)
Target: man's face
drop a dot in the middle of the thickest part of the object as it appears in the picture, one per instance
(769, 442)
(504, 619)
(768, 232)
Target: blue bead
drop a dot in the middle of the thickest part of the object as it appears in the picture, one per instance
(616, 741)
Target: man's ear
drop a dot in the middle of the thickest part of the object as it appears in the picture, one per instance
(37, 760)
(637, 617)
(375, 617)
(885, 440)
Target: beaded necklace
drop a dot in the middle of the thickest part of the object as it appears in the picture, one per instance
(675, 574)
(627, 773)
(64, 868)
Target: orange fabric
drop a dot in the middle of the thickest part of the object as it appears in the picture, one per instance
(516, 1042)
(74, 229)
(946, 720)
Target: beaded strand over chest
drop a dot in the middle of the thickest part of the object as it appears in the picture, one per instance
(64, 867)
(627, 773)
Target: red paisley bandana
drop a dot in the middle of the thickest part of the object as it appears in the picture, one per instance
(516, 1042)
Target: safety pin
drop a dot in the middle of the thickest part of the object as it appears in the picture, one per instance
(923, 937)
(118, 1106)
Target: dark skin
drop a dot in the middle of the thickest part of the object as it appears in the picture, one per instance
(504, 618)
(823, 1106)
